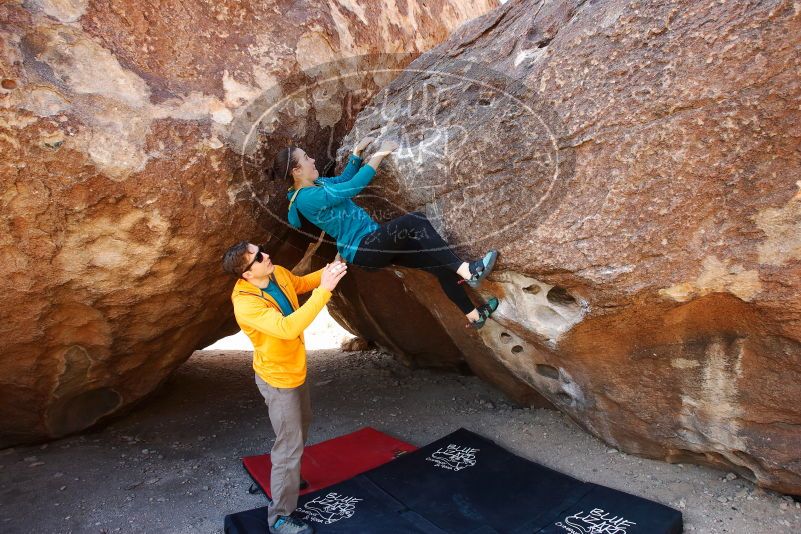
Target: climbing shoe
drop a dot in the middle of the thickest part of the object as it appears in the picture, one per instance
(286, 524)
(479, 269)
(484, 312)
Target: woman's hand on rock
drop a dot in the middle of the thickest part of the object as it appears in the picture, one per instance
(361, 145)
(387, 147)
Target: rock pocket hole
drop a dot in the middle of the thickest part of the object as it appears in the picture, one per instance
(547, 371)
(517, 349)
(559, 296)
(544, 42)
(505, 338)
(533, 289)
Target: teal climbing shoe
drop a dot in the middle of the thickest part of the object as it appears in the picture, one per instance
(479, 269)
(484, 312)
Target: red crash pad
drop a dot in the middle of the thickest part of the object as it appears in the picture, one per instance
(335, 460)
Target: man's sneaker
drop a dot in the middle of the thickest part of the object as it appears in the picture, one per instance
(479, 269)
(287, 524)
(484, 312)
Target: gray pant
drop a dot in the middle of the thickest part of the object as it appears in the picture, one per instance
(290, 415)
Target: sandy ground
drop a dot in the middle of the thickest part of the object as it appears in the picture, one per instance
(174, 464)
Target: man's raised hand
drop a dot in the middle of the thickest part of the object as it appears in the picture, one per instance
(332, 274)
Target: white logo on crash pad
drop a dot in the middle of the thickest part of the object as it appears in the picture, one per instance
(329, 509)
(454, 458)
(596, 521)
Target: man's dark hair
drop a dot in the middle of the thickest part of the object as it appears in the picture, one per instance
(235, 259)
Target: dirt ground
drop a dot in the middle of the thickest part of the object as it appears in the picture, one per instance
(173, 465)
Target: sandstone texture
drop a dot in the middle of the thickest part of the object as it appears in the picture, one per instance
(637, 165)
(132, 137)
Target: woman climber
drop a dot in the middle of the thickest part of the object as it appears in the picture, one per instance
(409, 240)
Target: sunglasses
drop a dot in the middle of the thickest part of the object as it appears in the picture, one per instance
(257, 259)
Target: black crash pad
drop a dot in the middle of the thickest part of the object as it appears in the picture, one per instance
(356, 505)
(464, 483)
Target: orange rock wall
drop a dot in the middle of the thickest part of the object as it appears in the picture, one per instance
(128, 164)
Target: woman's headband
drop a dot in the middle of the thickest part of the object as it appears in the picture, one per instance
(288, 159)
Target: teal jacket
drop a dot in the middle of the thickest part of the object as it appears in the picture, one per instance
(330, 207)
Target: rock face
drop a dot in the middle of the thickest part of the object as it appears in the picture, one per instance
(637, 164)
(128, 150)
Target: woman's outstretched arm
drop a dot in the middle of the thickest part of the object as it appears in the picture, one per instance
(332, 194)
(354, 162)
(360, 180)
(387, 147)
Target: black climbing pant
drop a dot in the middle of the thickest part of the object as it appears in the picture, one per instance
(411, 241)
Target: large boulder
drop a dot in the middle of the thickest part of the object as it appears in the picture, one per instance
(636, 163)
(131, 138)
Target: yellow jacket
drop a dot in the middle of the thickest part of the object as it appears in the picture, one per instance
(279, 356)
